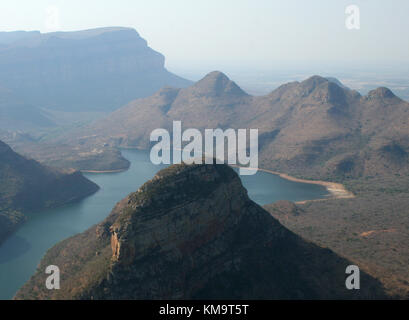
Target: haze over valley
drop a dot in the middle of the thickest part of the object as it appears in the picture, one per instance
(326, 95)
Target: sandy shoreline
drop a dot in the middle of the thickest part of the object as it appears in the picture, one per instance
(104, 171)
(337, 190)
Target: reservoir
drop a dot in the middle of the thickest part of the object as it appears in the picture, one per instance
(21, 253)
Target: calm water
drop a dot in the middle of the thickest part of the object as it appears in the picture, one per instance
(21, 253)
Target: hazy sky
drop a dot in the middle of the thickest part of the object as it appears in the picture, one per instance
(252, 33)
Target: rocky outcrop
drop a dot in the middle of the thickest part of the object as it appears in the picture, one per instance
(192, 232)
(381, 93)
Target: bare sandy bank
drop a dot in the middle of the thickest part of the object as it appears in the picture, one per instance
(104, 171)
(337, 190)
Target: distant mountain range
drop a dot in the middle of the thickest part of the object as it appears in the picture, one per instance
(316, 128)
(90, 70)
(193, 233)
(28, 186)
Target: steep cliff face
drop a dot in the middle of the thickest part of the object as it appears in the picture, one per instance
(192, 232)
(90, 70)
(28, 186)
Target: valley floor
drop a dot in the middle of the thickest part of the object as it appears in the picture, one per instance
(372, 230)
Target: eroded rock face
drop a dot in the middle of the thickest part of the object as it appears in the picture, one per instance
(178, 221)
(192, 232)
(381, 92)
